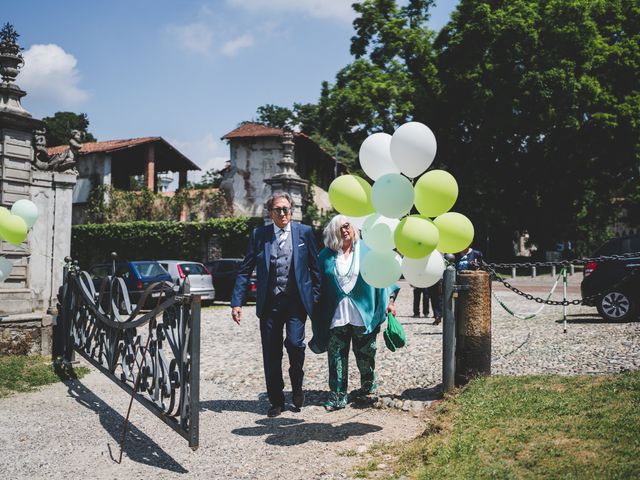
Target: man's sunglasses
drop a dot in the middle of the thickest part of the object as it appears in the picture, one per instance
(281, 210)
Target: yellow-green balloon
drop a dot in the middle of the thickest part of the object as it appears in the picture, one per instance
(4, 212)
(13, 229)
(416, 236)
(351, 195)
(456, 232)
(436, 192)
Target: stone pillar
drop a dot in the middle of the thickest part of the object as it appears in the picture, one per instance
(473, 326)
(288, 180)
(28, 296)
(150, 168)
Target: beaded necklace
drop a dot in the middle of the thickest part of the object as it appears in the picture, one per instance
(347, 276)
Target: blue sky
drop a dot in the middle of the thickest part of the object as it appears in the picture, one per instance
(188, 71)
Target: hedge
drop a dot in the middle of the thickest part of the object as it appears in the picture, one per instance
(144, 240)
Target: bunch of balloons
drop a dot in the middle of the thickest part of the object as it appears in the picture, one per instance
(402, 243)
(14, 226)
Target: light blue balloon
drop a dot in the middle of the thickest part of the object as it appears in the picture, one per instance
(392, 195)
(26, 210)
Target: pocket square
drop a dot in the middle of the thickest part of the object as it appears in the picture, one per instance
(301, 245)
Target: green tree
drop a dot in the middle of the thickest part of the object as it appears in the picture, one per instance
(275, 116)
(60, 125)
(538, 115)
(210, 179)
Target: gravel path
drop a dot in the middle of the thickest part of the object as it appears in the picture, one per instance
(63, 431)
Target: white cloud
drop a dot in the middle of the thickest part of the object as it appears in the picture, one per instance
(194, 37)
(232, 47)
(207, 152)
(333, 9)
(50, 76)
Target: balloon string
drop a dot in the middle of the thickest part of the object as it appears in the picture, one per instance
(35, 252)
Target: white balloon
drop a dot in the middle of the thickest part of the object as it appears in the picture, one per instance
(392, 195)
(381, 269)
(413, 148)
(358, 222)
(375, 156)
(423, 272)
(377, 232)
(27, 210)
(6, 266)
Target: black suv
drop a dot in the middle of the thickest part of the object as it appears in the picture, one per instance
(224, 272)
(614, 285)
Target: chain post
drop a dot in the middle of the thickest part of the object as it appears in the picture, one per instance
(564, 297)
(533, 272)
(513, 272)
(553, 271)
(448, 330)
(573, 269)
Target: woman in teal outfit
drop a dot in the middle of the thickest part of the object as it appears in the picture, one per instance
(350, 311)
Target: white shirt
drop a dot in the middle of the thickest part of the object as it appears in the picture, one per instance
(347, 270)
(281, 233)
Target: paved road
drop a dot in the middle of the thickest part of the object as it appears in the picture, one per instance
(63, 431)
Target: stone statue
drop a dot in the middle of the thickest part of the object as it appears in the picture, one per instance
(59, 162)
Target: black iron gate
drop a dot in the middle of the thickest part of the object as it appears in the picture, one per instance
(153, 355)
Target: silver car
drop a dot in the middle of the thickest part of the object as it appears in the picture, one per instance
(200, 281)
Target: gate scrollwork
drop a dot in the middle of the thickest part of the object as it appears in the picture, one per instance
(153, 355)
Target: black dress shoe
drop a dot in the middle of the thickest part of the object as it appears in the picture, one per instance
(274, 411)
(298, 399)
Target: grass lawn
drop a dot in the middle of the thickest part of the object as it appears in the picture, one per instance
(525, 427)
(20, 373)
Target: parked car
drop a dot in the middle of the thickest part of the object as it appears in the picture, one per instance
(224, 272)
(137, 276)
(614, 284)
(200, 281)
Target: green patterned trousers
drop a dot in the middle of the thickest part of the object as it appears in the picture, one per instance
(364, 348)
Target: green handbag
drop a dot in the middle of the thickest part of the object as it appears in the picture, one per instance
(394, 336)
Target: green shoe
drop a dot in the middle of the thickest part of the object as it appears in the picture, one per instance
(335, 402)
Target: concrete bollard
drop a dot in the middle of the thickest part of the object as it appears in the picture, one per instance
(473, 326)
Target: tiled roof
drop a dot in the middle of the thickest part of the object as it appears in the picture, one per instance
(250, 130)
(253, 130)
(108, 146)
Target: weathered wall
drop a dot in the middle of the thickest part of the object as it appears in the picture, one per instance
(252, 162)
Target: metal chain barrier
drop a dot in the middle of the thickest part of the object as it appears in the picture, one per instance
(490, 268)
(528, 316)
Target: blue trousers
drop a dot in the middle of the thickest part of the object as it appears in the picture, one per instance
(288, 313)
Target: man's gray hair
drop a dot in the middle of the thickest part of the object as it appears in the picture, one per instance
(332, 235)
(277, 195)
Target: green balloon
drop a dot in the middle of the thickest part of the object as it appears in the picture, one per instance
(13, 229)
(4, 212)
(416, 236)
(456, 232)
(351, 196)
(436, 192)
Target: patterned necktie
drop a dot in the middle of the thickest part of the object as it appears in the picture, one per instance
(281, 239)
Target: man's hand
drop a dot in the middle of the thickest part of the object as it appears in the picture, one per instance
(236, 314)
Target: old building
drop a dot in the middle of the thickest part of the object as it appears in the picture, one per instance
(120, 163)
(259, 154)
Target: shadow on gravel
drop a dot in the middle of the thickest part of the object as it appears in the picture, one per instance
(138, 446)
(423, 394)
(261, 405)
(287, 432)
(581, 318)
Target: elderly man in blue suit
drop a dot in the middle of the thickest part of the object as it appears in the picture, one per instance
(284, 255)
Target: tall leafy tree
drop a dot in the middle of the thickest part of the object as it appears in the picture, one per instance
(60, 125)
(539, 112)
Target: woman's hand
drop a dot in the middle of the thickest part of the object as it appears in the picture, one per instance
(391, 307)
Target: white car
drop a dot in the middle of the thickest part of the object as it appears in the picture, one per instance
(200, 280)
